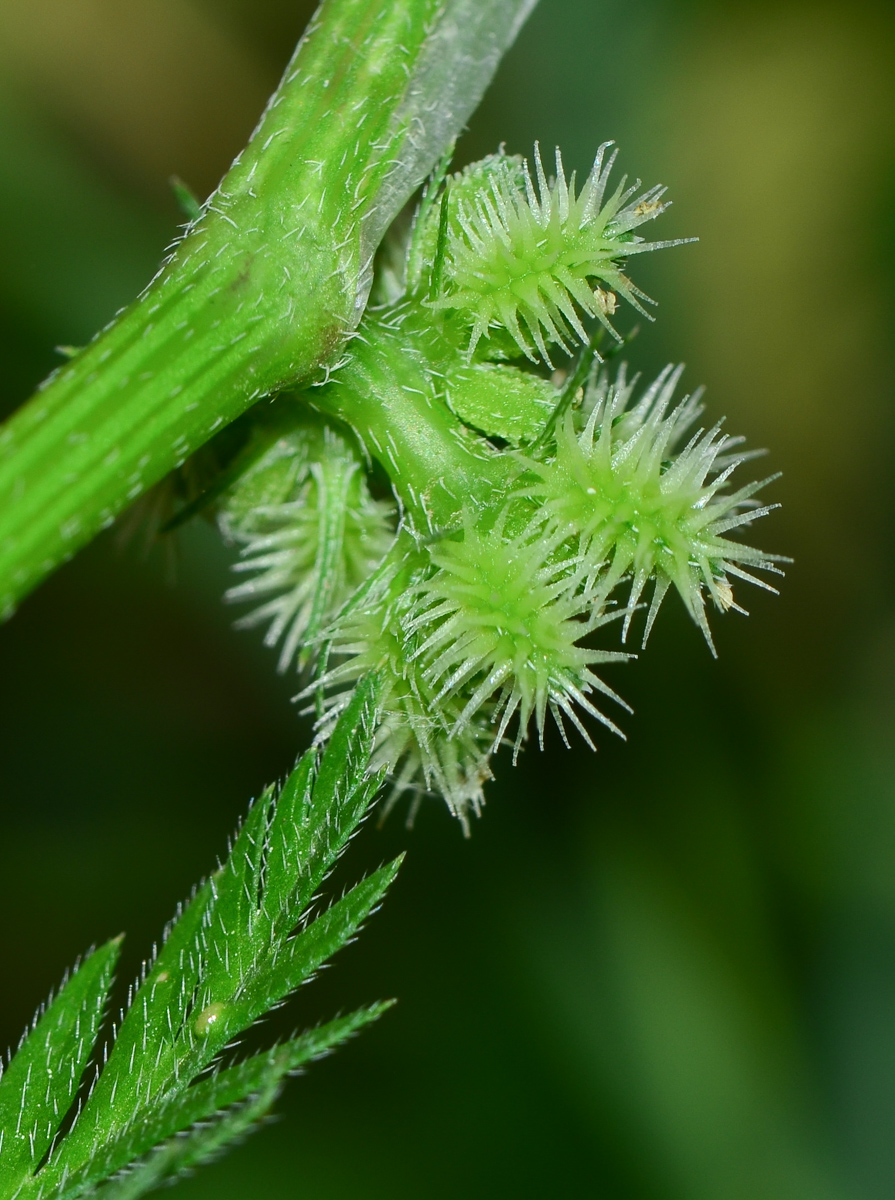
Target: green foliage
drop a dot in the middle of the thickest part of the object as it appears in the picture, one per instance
(162, 1101)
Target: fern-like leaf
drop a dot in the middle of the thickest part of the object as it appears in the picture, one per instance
(243, 943)
(143, 1151)
(39, 1085)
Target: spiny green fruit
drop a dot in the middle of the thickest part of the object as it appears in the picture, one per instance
(437, 216)
(644, 509)
(524, 259)
(310, 534)
(523, 508)
(503, 618)
(467, 633)
(418, 741)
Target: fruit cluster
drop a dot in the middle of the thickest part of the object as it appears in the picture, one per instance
(451, 511)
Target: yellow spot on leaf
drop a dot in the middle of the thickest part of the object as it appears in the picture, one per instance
(207, 1018)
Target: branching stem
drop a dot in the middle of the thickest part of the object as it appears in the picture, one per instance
(264, 288)
(387, 393)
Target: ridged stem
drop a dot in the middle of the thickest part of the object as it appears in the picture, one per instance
(387, 392)
(263, 289)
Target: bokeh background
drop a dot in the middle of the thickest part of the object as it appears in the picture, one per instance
(664, 972)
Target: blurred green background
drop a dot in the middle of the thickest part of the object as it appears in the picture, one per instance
(667, 971)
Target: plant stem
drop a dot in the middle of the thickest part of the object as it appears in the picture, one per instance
(385, 393)
(262, 290)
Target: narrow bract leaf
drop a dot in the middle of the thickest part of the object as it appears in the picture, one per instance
(133, 1074)
(206, 1100)
(302, 955)
(284, 860)
(181, 1153)
(40, 1083)
(342, 792)
(230, 939)
(234, 1084)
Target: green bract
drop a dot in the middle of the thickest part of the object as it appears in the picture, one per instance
(165, 1094)
(499, 400)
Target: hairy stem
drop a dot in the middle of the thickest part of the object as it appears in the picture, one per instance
(387, 393)
(266, 284)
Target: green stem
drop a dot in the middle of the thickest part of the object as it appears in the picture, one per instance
(386, 392)
(264, 288)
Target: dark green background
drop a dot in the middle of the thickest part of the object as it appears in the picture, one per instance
(667, 971)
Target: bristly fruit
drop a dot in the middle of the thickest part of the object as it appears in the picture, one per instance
(525, 259)
(503, 618)
(526, 503)
(644, 509)
(310, 533)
